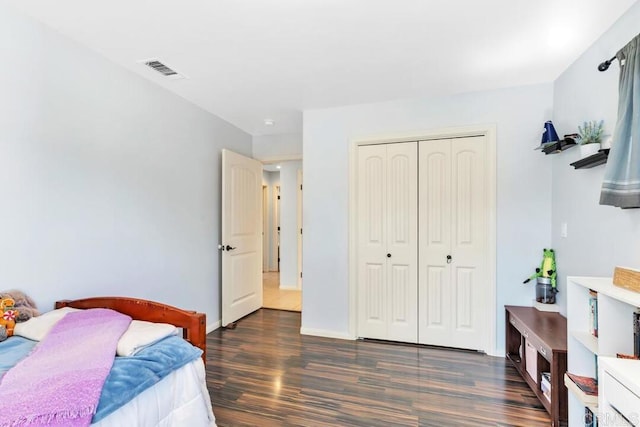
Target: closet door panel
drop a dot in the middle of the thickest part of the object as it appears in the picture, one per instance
(372, 241)
(453, 242)
(402, 242)
(387, 241)
(434, 292)
(469, 241)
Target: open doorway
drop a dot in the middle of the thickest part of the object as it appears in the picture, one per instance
(282, 285)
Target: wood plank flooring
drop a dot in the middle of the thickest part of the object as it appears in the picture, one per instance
(264, 373)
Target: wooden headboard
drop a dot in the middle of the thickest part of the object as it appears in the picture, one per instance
(193, 324)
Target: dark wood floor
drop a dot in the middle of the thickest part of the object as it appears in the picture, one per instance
(264, 373)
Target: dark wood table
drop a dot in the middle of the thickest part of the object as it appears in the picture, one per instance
(547, 332)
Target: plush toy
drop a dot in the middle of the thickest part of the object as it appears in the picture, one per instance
(9, 315)
(547, 268)
(25, 306)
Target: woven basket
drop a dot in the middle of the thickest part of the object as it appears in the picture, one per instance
(627, 278)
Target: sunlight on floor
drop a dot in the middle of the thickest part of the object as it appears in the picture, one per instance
(281, 299)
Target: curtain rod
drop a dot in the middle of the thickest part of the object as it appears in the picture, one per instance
(604, 66)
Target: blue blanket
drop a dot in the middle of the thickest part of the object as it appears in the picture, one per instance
(12, 351)
(129, 376)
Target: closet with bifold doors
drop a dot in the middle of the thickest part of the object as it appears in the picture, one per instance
(422, 242)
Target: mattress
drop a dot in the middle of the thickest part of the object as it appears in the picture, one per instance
(179, 399)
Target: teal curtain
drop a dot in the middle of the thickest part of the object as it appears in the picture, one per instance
(621, 186)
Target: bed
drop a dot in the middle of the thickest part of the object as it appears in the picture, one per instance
(179, 398)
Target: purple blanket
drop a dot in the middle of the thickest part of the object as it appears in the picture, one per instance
(59, 383)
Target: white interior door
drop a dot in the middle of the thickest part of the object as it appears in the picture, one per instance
(453, 283)
(387, 241)
(241, 236)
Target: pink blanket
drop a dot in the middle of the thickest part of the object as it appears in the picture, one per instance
(59, 383)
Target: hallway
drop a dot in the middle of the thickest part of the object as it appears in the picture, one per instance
(276, 298)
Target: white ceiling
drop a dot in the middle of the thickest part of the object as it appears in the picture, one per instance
(248, 60)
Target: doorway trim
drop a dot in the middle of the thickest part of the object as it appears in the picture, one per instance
(486, 130)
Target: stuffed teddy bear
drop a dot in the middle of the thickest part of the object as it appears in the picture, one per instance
(25, 306)
(8, 317)
(15, 307)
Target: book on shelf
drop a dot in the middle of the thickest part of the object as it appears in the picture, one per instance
(588, 385)
(593, 312)
(636, 333)
(545, 385)
(590, 419)
(626, 356)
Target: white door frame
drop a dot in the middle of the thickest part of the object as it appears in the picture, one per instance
(489, 132)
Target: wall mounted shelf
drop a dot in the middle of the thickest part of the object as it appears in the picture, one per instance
(557, 147)
(594, 160)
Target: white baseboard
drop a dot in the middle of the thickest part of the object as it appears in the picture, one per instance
(213, 326)
(326, 334)
(289, 288)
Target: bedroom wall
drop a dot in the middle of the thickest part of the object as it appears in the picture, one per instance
(271, 180)
(289, 224)
(108, 183)
(523, 197)
(598, 237)
(277, 147)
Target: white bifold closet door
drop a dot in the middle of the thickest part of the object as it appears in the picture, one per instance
(388, 242)
(453, 242)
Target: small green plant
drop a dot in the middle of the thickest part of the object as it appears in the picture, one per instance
(591, 132)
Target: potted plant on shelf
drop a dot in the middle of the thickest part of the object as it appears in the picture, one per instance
(590, 136)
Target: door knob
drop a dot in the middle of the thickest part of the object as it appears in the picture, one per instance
(448, 259)
(225, 248)
(388, 255)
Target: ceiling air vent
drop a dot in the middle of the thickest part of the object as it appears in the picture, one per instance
(162, 68)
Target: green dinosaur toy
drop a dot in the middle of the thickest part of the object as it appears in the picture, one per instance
(547, 268)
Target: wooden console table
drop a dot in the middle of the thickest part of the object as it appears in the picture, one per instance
(547, 333)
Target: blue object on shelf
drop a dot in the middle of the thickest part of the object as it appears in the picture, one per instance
(549, 135)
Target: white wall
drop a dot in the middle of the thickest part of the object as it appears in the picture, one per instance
(599, 237)
(289, 224)
(523, 197)
(277, 147)
(271, 180)
(109, 184)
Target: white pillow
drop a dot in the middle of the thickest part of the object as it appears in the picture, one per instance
(141, 334)
(37, 327)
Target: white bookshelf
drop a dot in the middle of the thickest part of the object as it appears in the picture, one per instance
(619, 387)
(615, 335)
(586, 339)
